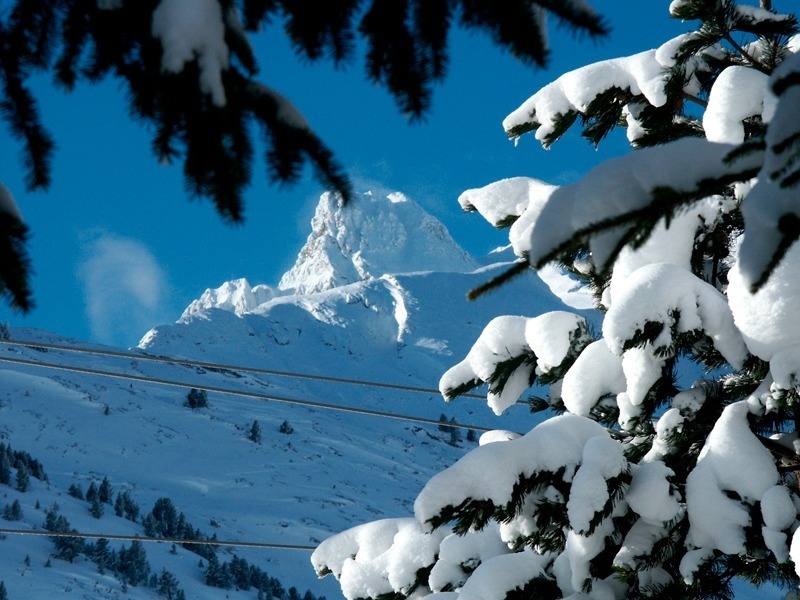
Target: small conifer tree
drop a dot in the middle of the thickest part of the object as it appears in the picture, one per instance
(196, 399)
(101, 555)
(96, 508)
(23, 478)
(13, 511)
(132, 564)
(5, 466)
(75, 491)
(105, 492)
(92, 493)
(255, 433)
(167, 585)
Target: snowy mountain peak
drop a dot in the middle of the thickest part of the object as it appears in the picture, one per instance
(236, 296)
(375, 235)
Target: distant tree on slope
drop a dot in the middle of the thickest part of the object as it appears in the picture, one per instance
(643, 484)
(23, 478)
(196, 399)
(189, 72)
(132, 566)
(13, 511)
(254, 433)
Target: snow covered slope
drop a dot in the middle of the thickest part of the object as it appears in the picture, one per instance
(334, 470)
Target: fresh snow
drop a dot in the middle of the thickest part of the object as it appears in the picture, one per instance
(737, 94)
(500, 575)
(658, 293)
(236, 296)
(541, 342)
(377, 557)
(603, 459)
(548, 336)
(567, 483)
(460, 554)
(641, 74)
(596, 373)
(767, 319)
(490, 471)
(623, 186)
(502, 202)
(376, 234)
(650, 494)
(733, 460)
(189, 30)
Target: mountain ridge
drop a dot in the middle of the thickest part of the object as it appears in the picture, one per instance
(375, 234)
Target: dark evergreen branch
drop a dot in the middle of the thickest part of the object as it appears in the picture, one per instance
(495, 282)
(256, 13)
(291, 141)
(391, 55)
(604, 113)
(14, 262)
(18, 107)
(433, 19)
(75, 33)
(320, 28)
(461, 389)
(503, 371)
(580, 18)
(752, 61)
(237, 42)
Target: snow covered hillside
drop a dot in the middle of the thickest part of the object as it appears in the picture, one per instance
(355, 306)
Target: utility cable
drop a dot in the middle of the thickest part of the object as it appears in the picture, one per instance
(243, 393)
(131, 538)
(219, 366)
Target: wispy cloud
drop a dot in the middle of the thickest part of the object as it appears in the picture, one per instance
(125, 289)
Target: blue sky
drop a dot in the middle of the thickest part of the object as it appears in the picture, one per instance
(117, 247)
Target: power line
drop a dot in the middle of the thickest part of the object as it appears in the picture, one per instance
(220, 366)
(243, 393)
(131, 538)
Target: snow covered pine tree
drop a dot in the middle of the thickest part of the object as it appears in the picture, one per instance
(644, 484)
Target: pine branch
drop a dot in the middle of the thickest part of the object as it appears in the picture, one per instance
(752, 61)
(460, 390)
(518, 268)
(14, 261)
